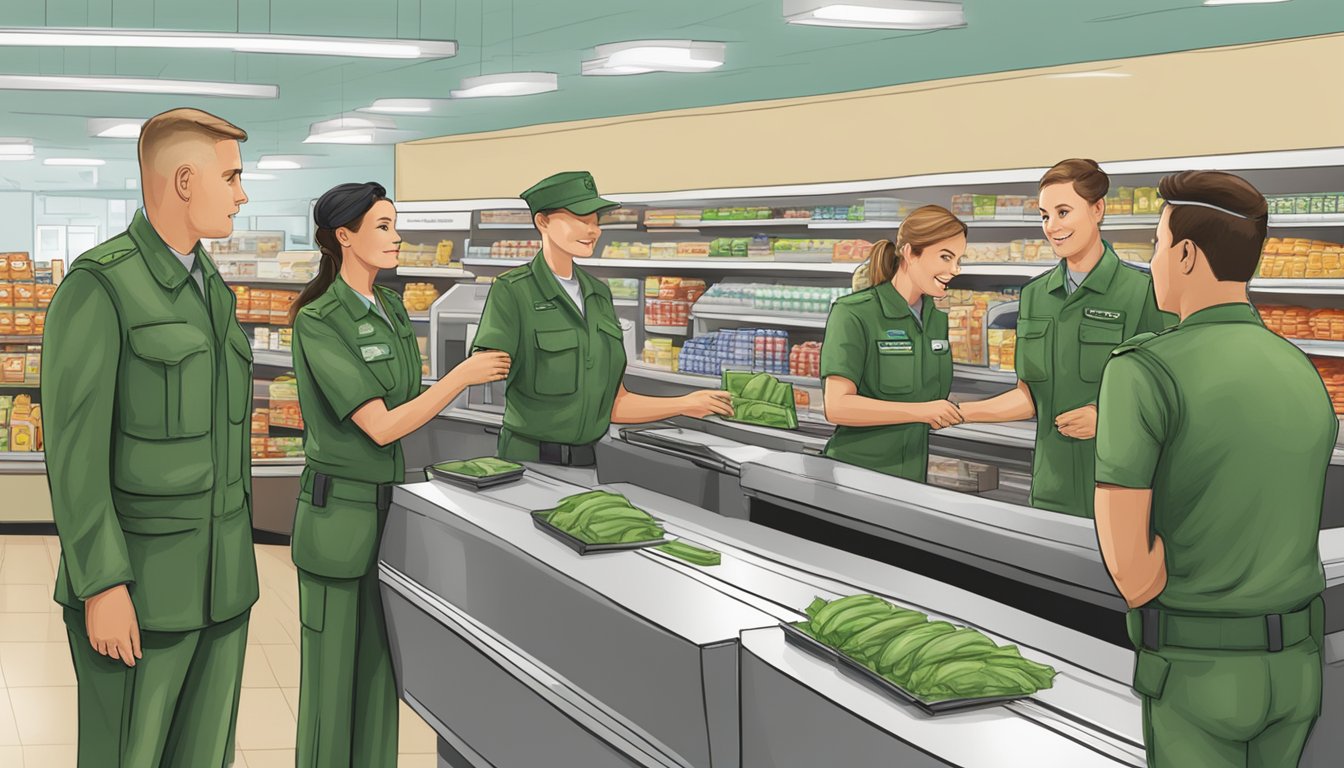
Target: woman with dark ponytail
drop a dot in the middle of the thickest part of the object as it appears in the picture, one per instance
(886, 363)
(358, 369)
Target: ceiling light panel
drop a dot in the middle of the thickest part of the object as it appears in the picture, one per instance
(76, 162)
(875, 14)
(359, 47)
(637, 57)
(137, 85)
(404, 106)
(507, 84)
(115, 127)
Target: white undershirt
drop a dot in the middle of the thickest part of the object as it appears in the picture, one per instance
(189, 263)
(574, 290)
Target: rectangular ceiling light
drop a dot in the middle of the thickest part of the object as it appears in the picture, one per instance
(875, 14)
(16, 148)
(137, 85)
(114, 128)
(403, 106)
(78, 162)
(360, 47)
(507, 84)
(1242, 2)
(637, 57)
(348, 129)
(279, 163)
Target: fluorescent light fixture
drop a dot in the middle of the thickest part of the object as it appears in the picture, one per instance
(279, 163)
(362, 47)
(403, 106)
(78, 162)
(114, 128)
(16, 148)
(1242, 2)
(875, 14)
(639, 56)
(137, 85)
(507, 84)
(349, 129)
(250, 176)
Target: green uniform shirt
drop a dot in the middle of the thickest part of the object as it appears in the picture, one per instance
(566, 366)
(875, 341)
(346, 354)
(1063, 342)
(1232, 429)
(147, 399)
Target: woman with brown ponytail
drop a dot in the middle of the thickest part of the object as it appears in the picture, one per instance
(358, 370)
(886, 362)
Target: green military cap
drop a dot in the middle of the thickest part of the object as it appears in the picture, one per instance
(574, 191)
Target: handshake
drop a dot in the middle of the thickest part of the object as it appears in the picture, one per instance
(939, 414)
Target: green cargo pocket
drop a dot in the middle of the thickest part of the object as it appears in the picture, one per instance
(1033, 349)
(557, 362)
(338, 541)
(312, 604)
(166, 382)
(896, 367)
(1095, 342)
(1150, 674)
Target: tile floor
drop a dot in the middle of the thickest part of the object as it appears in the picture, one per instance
(37, 682)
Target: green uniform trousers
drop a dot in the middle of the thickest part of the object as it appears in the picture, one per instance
(347, 693)
(176, 708)
(1232, 709)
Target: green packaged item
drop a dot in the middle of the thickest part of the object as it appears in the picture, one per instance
(1318, 204)
(1303, 205)
(478, 473)
(985, 206)
(759, 398)
(934, 664)
(691, 554)
(600, 521)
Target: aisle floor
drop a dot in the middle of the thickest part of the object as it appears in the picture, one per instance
(37, 681)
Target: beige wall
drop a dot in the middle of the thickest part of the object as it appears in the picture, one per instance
(27, 499)
(1272, 96)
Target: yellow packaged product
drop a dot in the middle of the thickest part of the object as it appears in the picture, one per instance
(6, 322)
(32, 367)
(443, 255)
(21, 437)
(20, 267)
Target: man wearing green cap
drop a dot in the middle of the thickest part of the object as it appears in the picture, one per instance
(559, 326)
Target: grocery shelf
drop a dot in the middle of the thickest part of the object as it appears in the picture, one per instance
(737, 223)
(1328, 286)
(495, 263)
(442, 272)
(23, 463)
(38, 339)
(1003, 223)
(520, 227)
(843, 224)
(1110, 222)
(723, 265)
(19, 385)
(271, 358)
(250, 280)
(1308, 220)
(624, 226)
(418, 317)
(1320, 348)
(625, 302)
(666, 330)
(1007, 270)
(982, 373)
(770, 317)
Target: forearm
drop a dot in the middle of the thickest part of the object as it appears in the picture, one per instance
(1137, 566)
(860, 411)
(630, 408)
(1014, 405)
(385, 426)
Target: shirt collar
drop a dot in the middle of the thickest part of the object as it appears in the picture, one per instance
(893, 303)
(1098, 280)
(355, 304)
(162, 262)
(1238, 312)
(550, 284)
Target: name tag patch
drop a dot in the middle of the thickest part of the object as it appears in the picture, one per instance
(896, 347)
(366, 329)
(372, 352)
(1104, 314)
(897, 333)
(541, 306)
(938, 345)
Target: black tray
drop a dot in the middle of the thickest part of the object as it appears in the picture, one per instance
(583, 547)
(476, 483)
(846, 664)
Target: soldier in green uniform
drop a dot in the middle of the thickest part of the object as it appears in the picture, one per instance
(886, 362)
(1212, 446)
(147, 393)
(1068, 321)
(558, 325)
(358, 369)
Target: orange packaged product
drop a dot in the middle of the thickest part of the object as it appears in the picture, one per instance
(23, 323)
(6, 322)
(6, 294)
(39, 323)
(11, 367)
(4, 266)
(45, 292)
(261, 421)
(20, 267)
(259, 309)
(25, 295)
(258, 447)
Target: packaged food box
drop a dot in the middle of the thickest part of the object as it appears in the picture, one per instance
(11, 367)
(20, 267)
(964, 476)
(6, 294)
(963, 206)
(1009, 206)
(32, 367)
(25, 295)
(23, 323)
(6, 322)
(4, 266)
(985, 206)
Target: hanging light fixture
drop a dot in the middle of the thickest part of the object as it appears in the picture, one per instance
(636, 57)
(875, 14)
(361, 47)
(507, 84)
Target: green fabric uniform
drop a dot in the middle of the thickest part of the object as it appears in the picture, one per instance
(566, 366)
(346, 355)
(1063, 343)
(873, 339)
(1232, 429)
(147, 398)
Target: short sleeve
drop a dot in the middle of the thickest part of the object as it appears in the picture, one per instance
(500, 326)
(342, 377)
(1134, 416)
(844, 350)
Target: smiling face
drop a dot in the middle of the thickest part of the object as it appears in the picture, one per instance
(570, 233)
(1072, 225)
(934, 267)
(215, 189)
(377, 242)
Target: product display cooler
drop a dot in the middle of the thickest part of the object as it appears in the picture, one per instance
(639, 658)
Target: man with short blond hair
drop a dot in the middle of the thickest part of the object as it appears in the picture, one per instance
(147, 392)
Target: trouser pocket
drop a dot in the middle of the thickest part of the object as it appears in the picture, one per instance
(1150, 674)
(312, 603)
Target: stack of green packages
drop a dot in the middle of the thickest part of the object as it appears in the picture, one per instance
(478, 473)
(691, 553)
(759, 398)
(932, 660)
(599, 517)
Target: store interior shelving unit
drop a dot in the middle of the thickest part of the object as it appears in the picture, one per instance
(1280, 173)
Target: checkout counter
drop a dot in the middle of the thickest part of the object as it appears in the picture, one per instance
(519, 651)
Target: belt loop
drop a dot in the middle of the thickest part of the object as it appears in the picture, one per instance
(1274, 632)
(1152, 628)
(565, 457)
